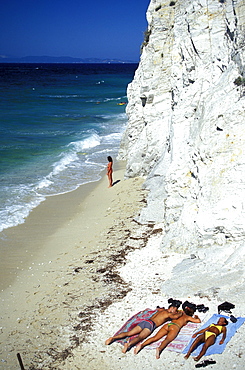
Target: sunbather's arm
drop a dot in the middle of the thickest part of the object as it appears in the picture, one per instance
(175, 316)
(195, 319)
(223, 336)
(200, 332)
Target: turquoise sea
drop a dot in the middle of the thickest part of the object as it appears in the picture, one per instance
(58, 124)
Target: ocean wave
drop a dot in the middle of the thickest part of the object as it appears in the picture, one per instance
(115, 116)
(115, 99)
(69, 160)
(63, 163)
(69, 115)
(90, 142)
(44, 183)
(19, 206)
(62, 96)
(105, 100)
(93, 100)
(111, 138)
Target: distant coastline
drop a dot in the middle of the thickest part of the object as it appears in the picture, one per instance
(50, 59)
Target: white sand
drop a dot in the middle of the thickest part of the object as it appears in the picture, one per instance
(146, 270)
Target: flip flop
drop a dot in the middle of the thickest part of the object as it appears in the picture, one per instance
(210, 362)
(201, 364)
(206, 363)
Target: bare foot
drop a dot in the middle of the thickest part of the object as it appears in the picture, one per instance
(158, 353)
(125, 347)
(196, 358)
(137, 349)
(109, 340)
(187, 356)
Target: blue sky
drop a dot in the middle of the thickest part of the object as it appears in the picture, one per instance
(76, 28)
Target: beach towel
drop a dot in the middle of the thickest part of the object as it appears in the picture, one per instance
(181, 341)
(133, 321)
(217, 348)
(177, 345)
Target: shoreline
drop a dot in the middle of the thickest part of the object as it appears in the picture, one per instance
(71, 275)
(22, 245)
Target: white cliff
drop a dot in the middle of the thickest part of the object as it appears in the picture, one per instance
(186, 134)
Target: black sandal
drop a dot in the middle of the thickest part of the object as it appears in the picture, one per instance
(210, 362)
(201, 364)
(206, 363)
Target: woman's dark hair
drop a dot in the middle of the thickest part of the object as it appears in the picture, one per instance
(192, 306)
(109, 158)
(188, 311)
(174, 302)
(226, 322)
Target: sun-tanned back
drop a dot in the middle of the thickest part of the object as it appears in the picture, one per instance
(184, 319)
(164, 315)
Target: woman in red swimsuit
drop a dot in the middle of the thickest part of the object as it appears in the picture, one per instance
(109, 171)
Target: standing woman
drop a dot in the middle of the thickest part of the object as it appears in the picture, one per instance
(109, 170)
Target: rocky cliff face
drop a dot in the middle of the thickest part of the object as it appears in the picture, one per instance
(186, 130)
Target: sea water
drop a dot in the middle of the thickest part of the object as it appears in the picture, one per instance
(58, 124)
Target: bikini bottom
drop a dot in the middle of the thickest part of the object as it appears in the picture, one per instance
(209, 334)
(173, 323)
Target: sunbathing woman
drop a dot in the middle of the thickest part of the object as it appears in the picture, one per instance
(208, 337)
(171, 330)
(146, 327)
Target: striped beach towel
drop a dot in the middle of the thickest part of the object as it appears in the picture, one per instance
(177, 345)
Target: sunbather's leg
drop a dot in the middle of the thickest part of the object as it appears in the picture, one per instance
(130, 343)
(209, 342)
(199, 339)
(171, 335)
(136, 330)
(163, 331)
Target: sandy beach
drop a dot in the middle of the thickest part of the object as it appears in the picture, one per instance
(92, 267)
(76, 241)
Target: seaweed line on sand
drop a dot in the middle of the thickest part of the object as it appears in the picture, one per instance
(101, 271)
